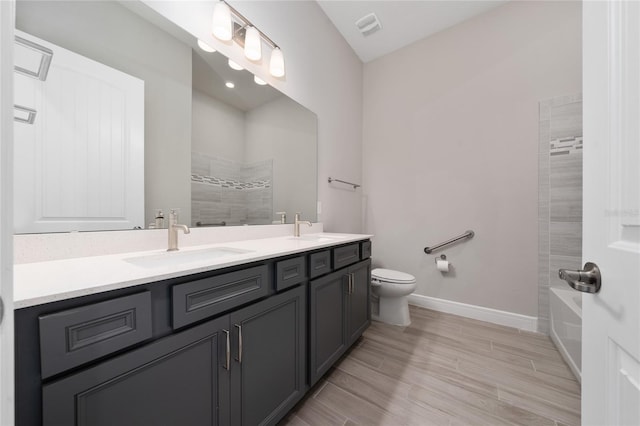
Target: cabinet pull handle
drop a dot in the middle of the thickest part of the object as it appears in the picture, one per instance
(348, 283)
(239, 359)
(353, 279)
(228, 353)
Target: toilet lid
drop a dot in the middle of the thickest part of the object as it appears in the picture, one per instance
(390, 275)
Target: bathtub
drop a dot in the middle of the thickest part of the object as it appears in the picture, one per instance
(566, 326)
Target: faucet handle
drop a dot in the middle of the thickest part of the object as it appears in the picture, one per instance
(283, 217)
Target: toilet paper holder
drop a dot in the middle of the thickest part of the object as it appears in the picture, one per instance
(442, 257)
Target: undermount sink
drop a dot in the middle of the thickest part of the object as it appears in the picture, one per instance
(318, 238)
(171, 258)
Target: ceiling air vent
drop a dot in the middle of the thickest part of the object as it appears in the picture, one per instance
(368, 24)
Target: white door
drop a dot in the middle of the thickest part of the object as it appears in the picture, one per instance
(80, 165)
(611, 221)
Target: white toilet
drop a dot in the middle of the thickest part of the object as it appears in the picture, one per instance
(392, 289)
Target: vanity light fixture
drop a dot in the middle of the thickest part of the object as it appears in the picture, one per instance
(221, 27)
(276, 65)
(230, 84)
(229, 24)
(204, 46)
(234, 65)
(259, 81)
(252, 44)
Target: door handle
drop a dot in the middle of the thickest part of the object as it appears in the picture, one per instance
(587, 280)
(228, 352)
(239, 359)
(352, 281)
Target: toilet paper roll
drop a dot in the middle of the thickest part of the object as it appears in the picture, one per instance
(442, 265)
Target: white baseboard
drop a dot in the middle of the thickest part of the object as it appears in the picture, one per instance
(565, 355)
(481, 313)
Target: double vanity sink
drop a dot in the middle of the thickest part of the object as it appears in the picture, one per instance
(82, 276)
(232, 333)
(198, 255)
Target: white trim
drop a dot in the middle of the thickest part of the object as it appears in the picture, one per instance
(7, 21)
(565, 354)
(510, 319)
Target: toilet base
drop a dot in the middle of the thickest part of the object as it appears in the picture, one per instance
(394, 311)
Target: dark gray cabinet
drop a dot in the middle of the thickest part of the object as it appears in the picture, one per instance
(358, 305)
(339, 312)
(185, 379)
(239, 346)
(327, 319)
(269, 359)
(178, 380)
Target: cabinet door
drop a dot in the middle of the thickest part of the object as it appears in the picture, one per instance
(359, 305)
(179, 380)
(269, 358)
(327, 319)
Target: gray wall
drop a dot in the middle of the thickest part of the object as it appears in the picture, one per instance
(451, 143)
(108, 33)
(216, 124)
(283, 131)
(560, 197)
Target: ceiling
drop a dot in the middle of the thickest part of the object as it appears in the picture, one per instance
(403, 22)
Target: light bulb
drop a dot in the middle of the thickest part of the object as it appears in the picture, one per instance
(276, 65)
(221, 26)
(204, 46)
(259, 81)
(235, 65)
(230, 84)
(252, 44)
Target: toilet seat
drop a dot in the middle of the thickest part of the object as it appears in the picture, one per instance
(390, 276)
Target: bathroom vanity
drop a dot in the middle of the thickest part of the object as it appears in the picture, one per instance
(235, 340)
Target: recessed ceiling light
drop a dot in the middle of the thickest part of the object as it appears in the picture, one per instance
(235, 65)
(230, 84)
(204, 46)
(259, 81)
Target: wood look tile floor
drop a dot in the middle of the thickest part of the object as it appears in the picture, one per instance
(444, 370)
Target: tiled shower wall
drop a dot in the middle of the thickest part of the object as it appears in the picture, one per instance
(230, 192)
(560, 196)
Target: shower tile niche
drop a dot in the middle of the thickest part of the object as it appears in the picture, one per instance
(560, 195)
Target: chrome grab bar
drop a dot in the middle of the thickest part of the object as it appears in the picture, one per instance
(467, 234)
(200, 224)
(355, 185)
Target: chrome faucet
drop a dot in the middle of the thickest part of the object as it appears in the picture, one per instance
(296, 225)
(173, 230)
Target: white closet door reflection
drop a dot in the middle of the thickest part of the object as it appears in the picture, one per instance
(80, 165)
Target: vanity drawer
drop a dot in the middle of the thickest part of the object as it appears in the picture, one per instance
(365, 250)
(290, 272)
(76, 336)
(319, 263)
(346, 255)
(200, 299)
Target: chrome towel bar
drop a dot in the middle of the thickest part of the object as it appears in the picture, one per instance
(355, 185)
(467, 234)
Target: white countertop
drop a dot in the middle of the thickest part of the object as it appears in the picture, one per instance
(45, 282)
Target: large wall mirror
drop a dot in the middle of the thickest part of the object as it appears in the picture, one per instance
(127, 116)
